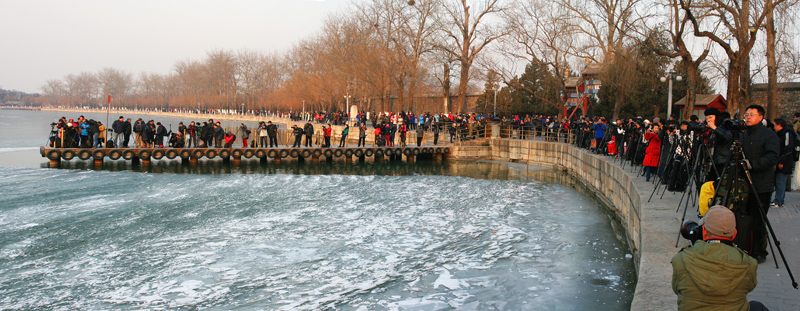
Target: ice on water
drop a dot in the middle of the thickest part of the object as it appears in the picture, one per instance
(127, 240)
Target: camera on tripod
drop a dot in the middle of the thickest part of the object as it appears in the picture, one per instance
(734, 125)
(697, 128)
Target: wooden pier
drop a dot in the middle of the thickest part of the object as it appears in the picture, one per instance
(144, 156)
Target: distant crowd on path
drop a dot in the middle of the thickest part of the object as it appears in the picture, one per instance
(88, 133)
(389, 129)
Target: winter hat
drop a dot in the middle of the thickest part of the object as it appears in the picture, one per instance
(719, 221)
(712, 112)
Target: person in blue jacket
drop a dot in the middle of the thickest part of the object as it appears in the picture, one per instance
(599, 133)
(85, 134)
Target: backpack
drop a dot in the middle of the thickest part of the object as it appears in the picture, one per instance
(737, 198)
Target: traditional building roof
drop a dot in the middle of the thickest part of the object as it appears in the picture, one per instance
(593, 69)
(703, 101)
(573, 82)
(786, 86)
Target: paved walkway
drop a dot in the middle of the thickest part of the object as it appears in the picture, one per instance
(774, 285)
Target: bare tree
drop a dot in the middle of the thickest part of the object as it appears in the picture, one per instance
(678, 48)
(539, 34)
(116, 83)
(741, 20)
(467, 34)
(604, 26)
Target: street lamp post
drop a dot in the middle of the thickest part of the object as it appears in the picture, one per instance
(669, 77)
(347, 105)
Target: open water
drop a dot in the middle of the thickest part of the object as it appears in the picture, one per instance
(362, 236)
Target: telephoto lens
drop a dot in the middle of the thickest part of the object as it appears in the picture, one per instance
(691, 231)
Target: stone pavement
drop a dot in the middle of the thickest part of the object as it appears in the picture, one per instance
(774, 285)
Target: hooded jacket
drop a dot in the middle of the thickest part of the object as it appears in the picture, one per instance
(713, 276)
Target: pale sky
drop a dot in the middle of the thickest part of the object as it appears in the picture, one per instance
(48, 39)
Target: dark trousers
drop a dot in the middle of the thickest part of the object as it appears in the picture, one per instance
(297, 139)
(126, 140)
(327, 142)
(757, 306)
(262, 141)
(435, 138)
(760, 233)
(273, 140)
(308, 141)
(343, 141)
(362, 141)
(419, 141)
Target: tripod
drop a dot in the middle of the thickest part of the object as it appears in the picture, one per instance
(695, 179)
(738, 167)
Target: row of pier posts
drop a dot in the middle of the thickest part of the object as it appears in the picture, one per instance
(237, 160)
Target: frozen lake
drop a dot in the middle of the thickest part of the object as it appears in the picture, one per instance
(458, 236)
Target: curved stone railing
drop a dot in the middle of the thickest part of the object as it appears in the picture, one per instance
(618, 191)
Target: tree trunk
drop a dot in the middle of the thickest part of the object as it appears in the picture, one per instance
(772, 67)
(691, 89)
(733, 93)
(462, 87)
(618, 104)
(446, 89)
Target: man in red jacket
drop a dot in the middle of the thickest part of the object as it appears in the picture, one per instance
(229, 139)
(327, 134)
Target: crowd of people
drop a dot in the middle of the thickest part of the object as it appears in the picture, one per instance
(88, 133)
(710, 154)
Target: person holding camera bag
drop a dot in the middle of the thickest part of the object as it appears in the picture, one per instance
(714, 274)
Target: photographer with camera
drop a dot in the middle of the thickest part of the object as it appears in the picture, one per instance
(713, 274)
(722, 139)
(599, 128)
(760, 147)
(653, 151)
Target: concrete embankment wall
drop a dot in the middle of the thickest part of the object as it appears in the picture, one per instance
(617, 189)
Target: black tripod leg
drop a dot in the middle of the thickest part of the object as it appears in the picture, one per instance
(772, 251)
(771, 231)
(683, 218)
